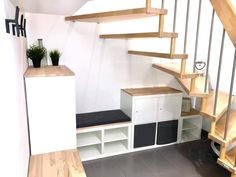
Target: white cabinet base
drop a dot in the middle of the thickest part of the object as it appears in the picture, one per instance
(51, 106)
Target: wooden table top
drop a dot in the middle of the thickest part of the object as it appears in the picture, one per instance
(151, 91)
(49, 71)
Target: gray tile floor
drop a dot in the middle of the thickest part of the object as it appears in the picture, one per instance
(193, 159)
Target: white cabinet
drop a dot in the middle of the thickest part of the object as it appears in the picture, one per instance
(147, 107)
(50, 95)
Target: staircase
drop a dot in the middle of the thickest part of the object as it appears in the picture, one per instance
(216, 105)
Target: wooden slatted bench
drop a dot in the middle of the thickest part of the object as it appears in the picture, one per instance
(56, 164)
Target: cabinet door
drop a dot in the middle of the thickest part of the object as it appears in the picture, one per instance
(144, 135)
(169, 108)
(145, 110)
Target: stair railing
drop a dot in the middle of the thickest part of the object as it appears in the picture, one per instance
(162, 4)
(230, 98)
(186, 27)
(209, 51)
(197, 34)
(219, 72)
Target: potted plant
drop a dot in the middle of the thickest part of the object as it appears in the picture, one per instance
(55, 55)
(36, 54)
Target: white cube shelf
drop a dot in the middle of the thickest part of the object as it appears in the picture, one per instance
(102, 141)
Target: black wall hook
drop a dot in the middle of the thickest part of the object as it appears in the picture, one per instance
(17, 28)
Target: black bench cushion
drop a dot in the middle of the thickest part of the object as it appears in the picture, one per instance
(100, 118)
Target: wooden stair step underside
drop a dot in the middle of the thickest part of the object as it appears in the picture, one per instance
(199, 89)
(218, 135)
(172, 69)
(222, 105)
(229, 161)
(159, 55)
(140, 35)
(117, 15)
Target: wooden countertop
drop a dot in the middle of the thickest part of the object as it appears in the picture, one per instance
(56, 164)
(151, 91)
(49, 71)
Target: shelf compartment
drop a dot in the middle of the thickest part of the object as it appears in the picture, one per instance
(192, 123)
(115, 147)
(88, 138)
(117, 134)
(190, 135)
(187, 125)
(90, 152)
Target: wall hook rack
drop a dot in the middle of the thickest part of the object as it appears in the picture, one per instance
(17, 28)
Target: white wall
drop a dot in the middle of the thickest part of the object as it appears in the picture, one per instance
(103, 66)
(13, 123)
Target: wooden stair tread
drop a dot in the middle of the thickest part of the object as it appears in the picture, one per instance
(220, 128)
(172, 69)
(117, 15)
(199, 86)
(63, 163)
(229, 160)
(160, 55)
(222, 105)
(140, 35)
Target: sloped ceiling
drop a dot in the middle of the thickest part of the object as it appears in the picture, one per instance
(58, 7)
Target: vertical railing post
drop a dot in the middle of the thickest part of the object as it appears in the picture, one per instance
(230, 98)
(209, 51)
(186, 27)
(175, 15)
(148, 6)
(162, 4)
(197, 34)
(219, 72)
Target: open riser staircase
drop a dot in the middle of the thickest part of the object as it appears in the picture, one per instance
(215, 105)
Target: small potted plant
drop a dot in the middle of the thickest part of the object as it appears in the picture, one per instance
(55, 55)
(36, 54)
